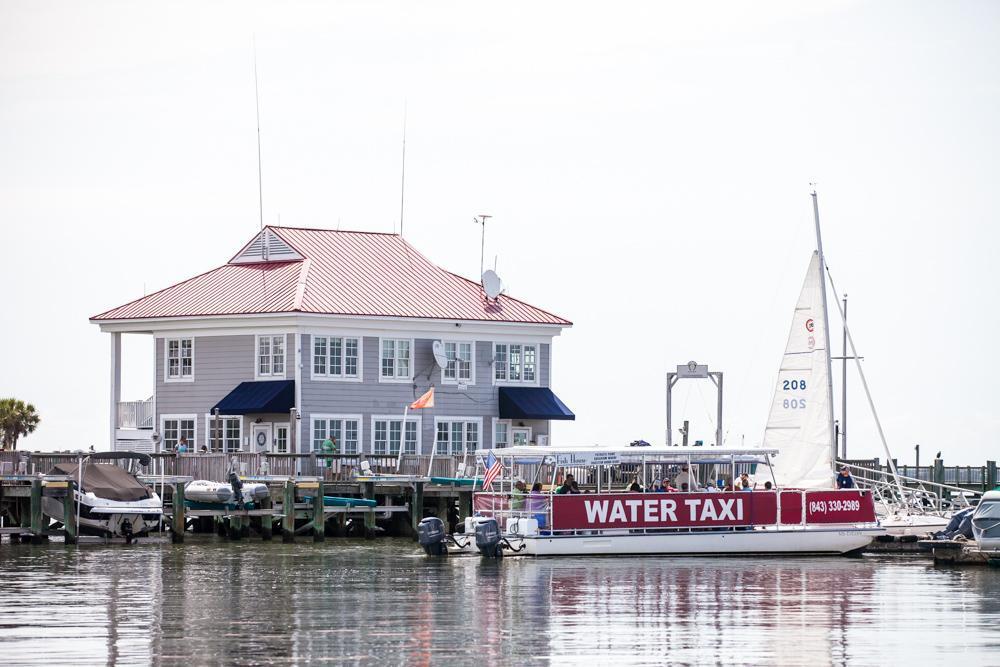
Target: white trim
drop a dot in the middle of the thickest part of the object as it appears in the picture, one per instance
(493, 432)
(516, 383)
(257, 375)
(371, 325)
(194, 430)
(477, 420)
(298, 397)
(166, 358)
(328, 416)
(222, 443)
(472, 366)
(395, 379)
(398, 418)
(339, 378)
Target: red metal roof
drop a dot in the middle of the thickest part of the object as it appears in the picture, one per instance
(343, 273)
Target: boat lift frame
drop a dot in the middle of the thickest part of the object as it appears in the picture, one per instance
(693, 369)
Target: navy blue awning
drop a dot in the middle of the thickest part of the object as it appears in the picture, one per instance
(532, 403)
(256, 397)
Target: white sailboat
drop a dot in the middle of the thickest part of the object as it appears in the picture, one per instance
(800, 422)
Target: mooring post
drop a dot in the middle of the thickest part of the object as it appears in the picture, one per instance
(267, 520)
(464, 504)
(368, 490)
(177, 525)
(416, 506)
(319, 516)
(37, 529)
(991, 475)
(288, 509)
(69, 514)
(235, 526)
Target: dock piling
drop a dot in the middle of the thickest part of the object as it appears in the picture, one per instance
(288, 509)
(416, 507)
(368, 489)
(69, 514)
(319, 517)
(37, 518)
(266, 521)
(177, 526)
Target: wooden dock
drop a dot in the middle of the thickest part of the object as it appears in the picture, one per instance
(401, 502)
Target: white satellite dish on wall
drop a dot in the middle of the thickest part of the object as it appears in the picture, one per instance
(440, 358)
(492, 284)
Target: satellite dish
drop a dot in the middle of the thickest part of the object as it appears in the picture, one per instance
(439, 355)
(492, 284)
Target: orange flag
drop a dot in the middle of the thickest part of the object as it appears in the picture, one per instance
(425, 401)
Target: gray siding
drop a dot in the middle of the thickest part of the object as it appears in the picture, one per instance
(220, 363)
(372, 397)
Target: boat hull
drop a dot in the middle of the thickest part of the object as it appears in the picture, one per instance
(108, 518)
(825, 541)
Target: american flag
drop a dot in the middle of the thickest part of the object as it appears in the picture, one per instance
(493, 468)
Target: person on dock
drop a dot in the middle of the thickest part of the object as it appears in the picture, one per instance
(518, 495)
(182, 445)
(844, 479)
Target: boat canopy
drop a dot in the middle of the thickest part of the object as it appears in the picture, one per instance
(595, 455)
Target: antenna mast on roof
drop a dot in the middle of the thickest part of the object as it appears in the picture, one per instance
(256, 95)
(481, 220)
(402, 179)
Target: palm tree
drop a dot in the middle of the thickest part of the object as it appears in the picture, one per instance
(17, 418)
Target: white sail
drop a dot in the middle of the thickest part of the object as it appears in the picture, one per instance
(799, 424)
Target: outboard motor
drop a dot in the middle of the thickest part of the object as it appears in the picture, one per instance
(237, 484)
(430, 534)
(488, 539)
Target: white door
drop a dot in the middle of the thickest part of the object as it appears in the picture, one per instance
(260, 439)
(521, 435)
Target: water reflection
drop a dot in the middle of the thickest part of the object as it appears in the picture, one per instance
(355, 601)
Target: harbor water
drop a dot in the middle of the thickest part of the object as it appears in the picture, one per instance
(383, 602)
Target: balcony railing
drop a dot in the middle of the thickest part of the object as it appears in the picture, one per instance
(136, 414)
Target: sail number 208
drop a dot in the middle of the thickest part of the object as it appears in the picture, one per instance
(793, 403)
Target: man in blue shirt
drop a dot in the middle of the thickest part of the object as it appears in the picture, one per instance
(844, 479)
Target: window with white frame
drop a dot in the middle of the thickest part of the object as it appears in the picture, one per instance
(225, 432)
(396, 359)
(456, 436)
(179, 359)
(271, 356)
(343, 430)
(501, 433)
(336, 357)
(515, 363)
(281, 438)
(175, 427)
(461, 363)
(388, 434)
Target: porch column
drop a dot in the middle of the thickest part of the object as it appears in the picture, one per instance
(116, 382)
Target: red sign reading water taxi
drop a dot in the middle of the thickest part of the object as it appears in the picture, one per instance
(687, 510)
(660, 510)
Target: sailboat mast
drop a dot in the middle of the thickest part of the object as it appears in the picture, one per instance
(826, 328)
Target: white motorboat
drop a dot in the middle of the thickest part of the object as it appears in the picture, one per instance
(222, 494)
(110, 500)
(986, 522)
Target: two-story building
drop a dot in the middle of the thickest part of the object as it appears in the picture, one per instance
(310, 333)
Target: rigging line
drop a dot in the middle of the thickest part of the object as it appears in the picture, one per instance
(864, 383)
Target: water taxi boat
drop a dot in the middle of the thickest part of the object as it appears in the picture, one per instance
(605, 518)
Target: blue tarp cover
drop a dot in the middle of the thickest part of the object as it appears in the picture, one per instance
(258, 397)
(532, 403)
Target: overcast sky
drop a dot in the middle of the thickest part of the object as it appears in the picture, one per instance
(647, 166)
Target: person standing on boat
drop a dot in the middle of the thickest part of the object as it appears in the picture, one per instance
(685, 476)
(518, 495)
(844, 479)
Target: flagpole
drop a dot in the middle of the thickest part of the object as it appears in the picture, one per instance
(402, 439)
